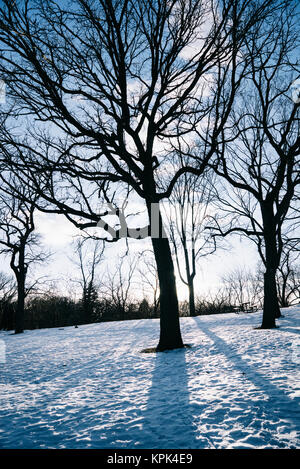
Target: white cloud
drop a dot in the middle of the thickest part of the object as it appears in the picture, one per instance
(56, 230)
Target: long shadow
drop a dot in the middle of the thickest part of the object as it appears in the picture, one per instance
(292, 330)
(275, 394)
(162, 419)
(167, 420)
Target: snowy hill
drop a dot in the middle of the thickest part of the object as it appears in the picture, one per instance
(92, 388)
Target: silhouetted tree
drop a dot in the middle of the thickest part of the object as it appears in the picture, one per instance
(258, 152)
(89, 254)
(117, 286)
(117, 83)
(187, 214)
(8, 291)
(18, 239)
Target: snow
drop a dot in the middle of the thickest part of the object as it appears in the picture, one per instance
(90, 387)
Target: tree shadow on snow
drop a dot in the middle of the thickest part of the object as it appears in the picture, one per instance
(167, 420)
(292, 330)
(278, 401)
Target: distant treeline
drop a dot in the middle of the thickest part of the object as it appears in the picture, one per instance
(61, 311)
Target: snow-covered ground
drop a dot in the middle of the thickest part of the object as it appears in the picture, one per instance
(90, 387)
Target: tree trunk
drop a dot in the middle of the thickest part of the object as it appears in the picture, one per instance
(271, 309)
(20, 304)
(282, 289)
(271, 306)
(192, 297)
(190, 276)
(170, 335)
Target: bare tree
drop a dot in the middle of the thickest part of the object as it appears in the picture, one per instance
(8, 291)
(19, 241)
(149, 279)
(258, 155)
(89, 254)
(120, 82)
(7, 287)
(214, 302)
(243, 287)
(117, 286)
(187, 214)
(288, 275)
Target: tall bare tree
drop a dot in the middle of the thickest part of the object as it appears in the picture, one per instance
(116, 83)
(18, 239)
(187, 214)
(259, 150)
